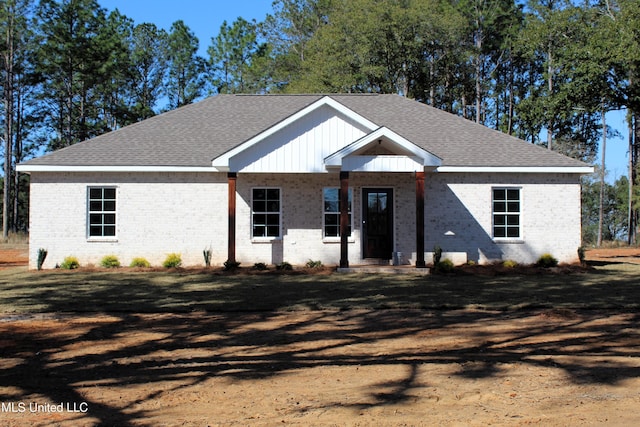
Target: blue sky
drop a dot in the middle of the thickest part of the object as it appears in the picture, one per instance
(204, 17)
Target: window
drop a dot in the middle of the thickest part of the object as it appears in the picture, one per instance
(331, 214)
(506, 213)
(265, 215)
(102, 212)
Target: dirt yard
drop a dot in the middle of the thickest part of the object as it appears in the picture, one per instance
(321, 368)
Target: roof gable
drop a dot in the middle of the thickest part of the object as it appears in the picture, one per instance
(305, 121)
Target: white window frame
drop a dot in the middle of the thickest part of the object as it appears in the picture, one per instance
(324, 213)
(279, 213)
(506, 213)
(102, 212)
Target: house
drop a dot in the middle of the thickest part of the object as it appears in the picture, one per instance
(336, 178)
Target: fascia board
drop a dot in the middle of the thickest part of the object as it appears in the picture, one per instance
(518, 169)
(65, 168)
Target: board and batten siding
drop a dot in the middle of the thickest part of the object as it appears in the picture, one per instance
(302, 146)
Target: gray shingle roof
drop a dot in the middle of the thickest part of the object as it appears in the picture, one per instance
(195, 134)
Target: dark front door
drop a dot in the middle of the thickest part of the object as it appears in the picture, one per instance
(377, 223)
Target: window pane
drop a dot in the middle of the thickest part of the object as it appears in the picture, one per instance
(273, 194)
(95, 205)
(95, 193)
(110, 230)
(331, 231)
(109, 193)
(513, 207)
(499, 220)
(259, 206)
(331, 219)
(95, 219)
(258, 231)
(110, 205)
(95, 231)
(273, 206)
(259, 194)
(109, 219)
(499, 232)
(499, 194)
(273, 219)
(499, 207)
(513, 220)
(513, 194)
(273, 231)
(513, 232)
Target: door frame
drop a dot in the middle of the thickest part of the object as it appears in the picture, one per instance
(391, 217)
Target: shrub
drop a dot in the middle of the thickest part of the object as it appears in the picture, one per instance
(70, 263)
(510, 264)
(314, 264)
(444, 266)
(231, 265)
(582, 255)
(110, 261)
(140, 262)
(547, 261)
(283, 266)
(261, 266)
(42, 255)
(207, 256)
(437, 254)
(172, 261)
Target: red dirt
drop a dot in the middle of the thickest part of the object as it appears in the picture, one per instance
(318, 368)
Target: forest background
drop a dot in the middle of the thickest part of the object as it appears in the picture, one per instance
(545, 71)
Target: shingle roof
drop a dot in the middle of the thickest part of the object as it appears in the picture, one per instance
(195, 134)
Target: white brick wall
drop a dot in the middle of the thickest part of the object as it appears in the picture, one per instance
(550, 216)
(160, 213)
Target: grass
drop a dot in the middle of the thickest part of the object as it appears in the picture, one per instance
(613, 286)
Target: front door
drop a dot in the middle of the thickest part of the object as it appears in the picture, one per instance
(377, 222)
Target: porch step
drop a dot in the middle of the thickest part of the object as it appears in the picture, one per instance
(385, 269)
(375, 261)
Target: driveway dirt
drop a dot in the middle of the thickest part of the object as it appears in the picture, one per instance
(321, 368)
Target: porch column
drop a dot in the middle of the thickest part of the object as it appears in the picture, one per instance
(344, 219)
(420, 220)
(231, 237)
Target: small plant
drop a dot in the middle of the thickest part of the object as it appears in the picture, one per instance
(231, 265)
(207, 256)
(314, 264)
(510, 264)
(471, 262)
(547, 261)
(70, 263)
(437, 254)
(260, 266)
(110, 261)
(582, 255)
(140, 262)
(284, 266)
(444, 266)
(42, 255)
(172, 261)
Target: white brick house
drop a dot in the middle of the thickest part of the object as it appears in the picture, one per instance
(336, 178)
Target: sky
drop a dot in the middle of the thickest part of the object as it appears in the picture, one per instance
(204, 18)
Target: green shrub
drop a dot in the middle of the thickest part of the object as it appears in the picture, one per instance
(140, 262)
(314, 264)
(261, 266)
(42, 255)
(231, 265)
(437, 254)
(582, 255)
(70, 263)
(547, 261)
(283, 266)
(172, 261)
(110, 261)
(444, 266)
(510, 264)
